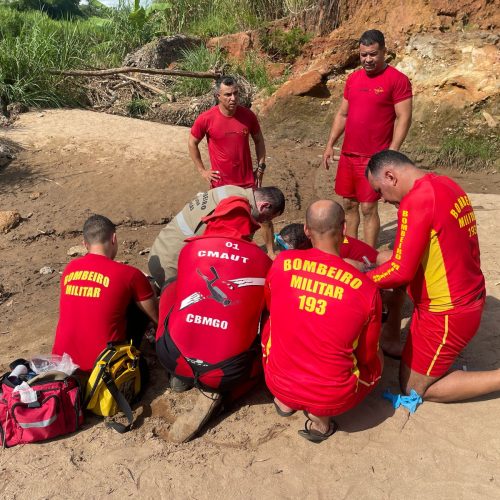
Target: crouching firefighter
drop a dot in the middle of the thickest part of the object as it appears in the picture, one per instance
(210, 315)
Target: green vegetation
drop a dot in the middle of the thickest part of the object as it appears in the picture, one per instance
(468, 152)
(284, 45)
(41, 35)
(138, 107)
(198, 59)
(253, 68)
(31, 43)
(57, 9)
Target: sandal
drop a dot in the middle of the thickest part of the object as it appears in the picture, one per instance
(316, 436)
(281, 412)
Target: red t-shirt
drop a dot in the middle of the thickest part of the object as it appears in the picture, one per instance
(324, 330)
(370, 121)
(355, 249)
(228, 144)
(219, 297)
(436, 250)
(95, 294)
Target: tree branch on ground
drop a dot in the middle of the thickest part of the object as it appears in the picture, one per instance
(128, 69)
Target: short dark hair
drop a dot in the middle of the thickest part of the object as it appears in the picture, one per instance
(372, 36)
(98, 229)
(294, 235)
(226, 80)
(274, 196)
(386, 157)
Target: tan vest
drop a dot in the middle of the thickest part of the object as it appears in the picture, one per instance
(187, 223)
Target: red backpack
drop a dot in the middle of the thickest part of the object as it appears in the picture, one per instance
(56, 411)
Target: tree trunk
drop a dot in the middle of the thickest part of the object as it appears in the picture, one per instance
(327, 16)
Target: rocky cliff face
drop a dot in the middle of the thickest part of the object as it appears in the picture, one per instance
(449, 50)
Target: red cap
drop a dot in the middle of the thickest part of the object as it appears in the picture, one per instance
(232, 218)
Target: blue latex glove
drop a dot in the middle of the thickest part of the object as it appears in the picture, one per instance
(410, 402)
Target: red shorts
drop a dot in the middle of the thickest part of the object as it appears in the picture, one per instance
(435, 340)
(350, 401)
(351, 182)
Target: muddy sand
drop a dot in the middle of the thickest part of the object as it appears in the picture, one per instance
(72, 163)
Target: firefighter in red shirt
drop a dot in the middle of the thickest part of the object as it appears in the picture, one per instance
(321, 341)
(210, 316)
(228, 127)
(359, 254)
(436, 253)
(101, 300)
(375, 114)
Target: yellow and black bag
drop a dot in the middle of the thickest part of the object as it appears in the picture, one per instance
(114, 383)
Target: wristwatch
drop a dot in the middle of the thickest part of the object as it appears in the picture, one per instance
(261, 167)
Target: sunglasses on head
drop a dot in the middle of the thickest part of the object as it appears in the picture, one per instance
(281, 242)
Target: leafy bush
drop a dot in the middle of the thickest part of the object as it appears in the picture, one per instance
(209, 18)
(40, 44)
(32, 43)
(57, 9)
(253, 68)
(216, 23)
(284, 45)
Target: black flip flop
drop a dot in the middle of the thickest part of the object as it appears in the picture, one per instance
(282, 413)
(316, 436)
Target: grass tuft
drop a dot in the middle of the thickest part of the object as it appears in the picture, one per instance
(469, 152)
(138, 107)
(198, 59)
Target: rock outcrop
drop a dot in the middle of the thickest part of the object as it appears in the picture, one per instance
(453, 64)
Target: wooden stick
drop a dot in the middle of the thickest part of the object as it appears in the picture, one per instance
(154, 89)
(120, 85)
(128, 69)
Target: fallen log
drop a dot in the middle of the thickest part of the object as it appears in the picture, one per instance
(129, 69)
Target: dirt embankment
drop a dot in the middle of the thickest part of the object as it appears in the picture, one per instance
(449, 50)
(450, 53)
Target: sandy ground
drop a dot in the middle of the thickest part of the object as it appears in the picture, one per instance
(72, 163)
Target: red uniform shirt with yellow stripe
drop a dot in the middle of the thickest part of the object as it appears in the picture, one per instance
(321, 343)
(436, 250)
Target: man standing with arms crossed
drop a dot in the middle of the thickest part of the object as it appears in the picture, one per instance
(375, 114)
